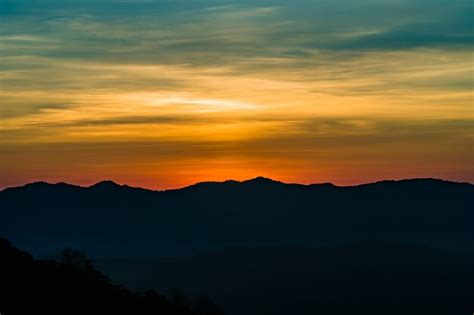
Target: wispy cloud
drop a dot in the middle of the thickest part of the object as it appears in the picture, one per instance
(289, 77)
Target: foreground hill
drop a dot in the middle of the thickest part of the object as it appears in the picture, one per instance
(74, 287)
(109, 220)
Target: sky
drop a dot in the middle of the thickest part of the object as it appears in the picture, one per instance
(163, 94)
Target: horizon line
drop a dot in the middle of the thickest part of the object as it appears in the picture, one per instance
(261, 178)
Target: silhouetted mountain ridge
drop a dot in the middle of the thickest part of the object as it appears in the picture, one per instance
(257, 181)
(208, 216)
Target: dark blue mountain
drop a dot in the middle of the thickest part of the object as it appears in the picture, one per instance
(110, 220)
(360, 278)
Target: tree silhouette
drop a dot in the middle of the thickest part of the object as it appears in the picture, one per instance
(75, 258)
(73, 286)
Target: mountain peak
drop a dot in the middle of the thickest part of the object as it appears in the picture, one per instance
(105, 184)
(261, 180)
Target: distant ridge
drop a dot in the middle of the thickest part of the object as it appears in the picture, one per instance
(259, 180)
(112, 219)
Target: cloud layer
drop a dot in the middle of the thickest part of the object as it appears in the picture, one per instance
(342, 91)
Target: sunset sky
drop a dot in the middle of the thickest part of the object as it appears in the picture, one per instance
(163, 94)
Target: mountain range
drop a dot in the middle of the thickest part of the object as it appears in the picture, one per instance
(108, 220)
(254, 247)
